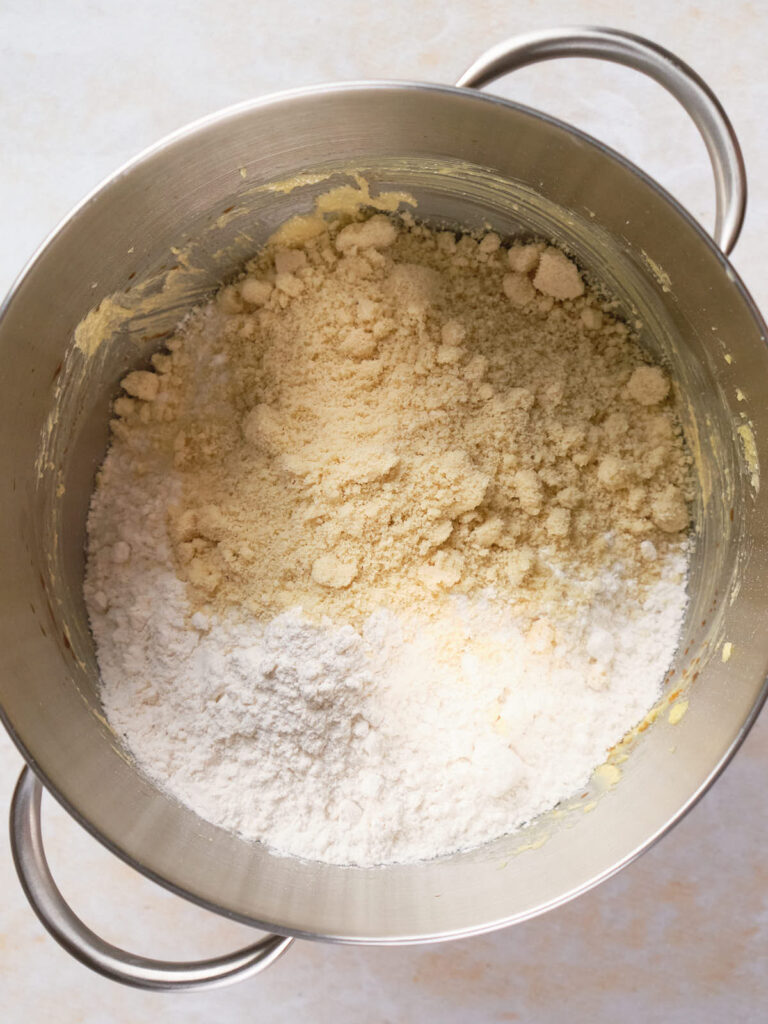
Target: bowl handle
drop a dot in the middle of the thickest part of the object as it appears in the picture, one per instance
(91, 950)
(691, 91)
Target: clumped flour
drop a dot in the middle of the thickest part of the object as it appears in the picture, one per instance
(389, 546)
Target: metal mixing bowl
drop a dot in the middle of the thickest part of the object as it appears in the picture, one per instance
(158, 237)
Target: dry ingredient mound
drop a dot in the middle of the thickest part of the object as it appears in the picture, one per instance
(381, 417)
(389, 546)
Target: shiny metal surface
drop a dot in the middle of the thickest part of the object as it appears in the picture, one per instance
(688, 88)
(115, 964)
(158, 237)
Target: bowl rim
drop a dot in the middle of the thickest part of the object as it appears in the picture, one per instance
(251, 106)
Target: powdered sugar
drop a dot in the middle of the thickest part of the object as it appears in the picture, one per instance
(401, 741)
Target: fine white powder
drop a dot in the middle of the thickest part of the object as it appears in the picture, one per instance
(360, 747)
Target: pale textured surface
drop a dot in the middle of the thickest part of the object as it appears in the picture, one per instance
(681, 935)
(270, 468)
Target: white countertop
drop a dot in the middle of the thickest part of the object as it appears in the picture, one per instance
(679, 936)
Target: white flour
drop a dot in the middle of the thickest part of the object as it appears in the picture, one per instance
(351, 748)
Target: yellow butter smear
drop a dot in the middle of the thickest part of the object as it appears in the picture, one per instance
(153, 296)
(662, 277)
(749, 446)
(677, 711)
(344, 200)
(100, 323)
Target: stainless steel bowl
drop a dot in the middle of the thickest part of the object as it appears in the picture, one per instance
(159, 236)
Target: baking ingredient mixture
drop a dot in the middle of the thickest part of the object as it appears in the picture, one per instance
(389, 548)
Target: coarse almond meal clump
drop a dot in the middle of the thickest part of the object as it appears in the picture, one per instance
(388, 414)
